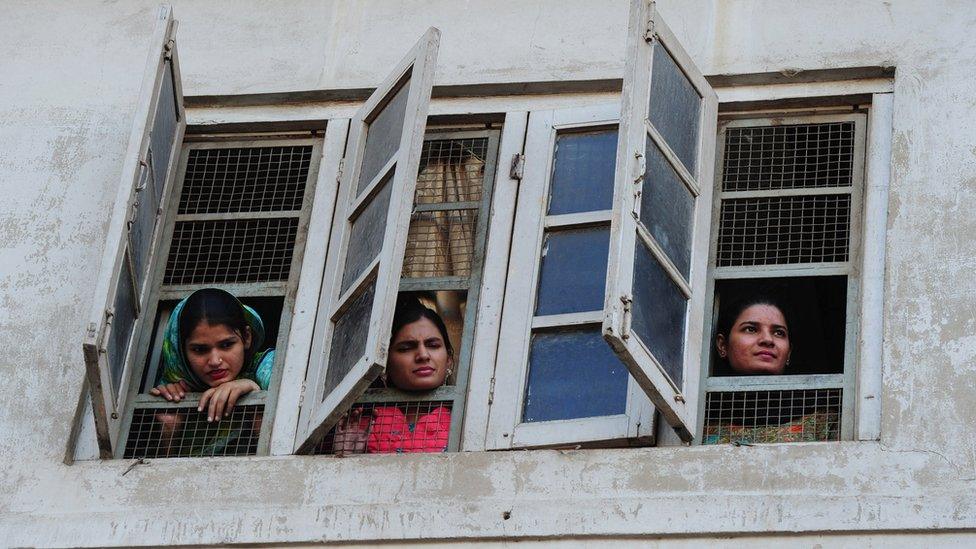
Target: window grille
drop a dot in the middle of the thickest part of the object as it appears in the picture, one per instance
(787, 212)
(240, 224)
(228, 251)
(784, 230)
(800, 415)
(391, 428)
(793, 156)
(442, 266)
(158, 432)
(245, 179)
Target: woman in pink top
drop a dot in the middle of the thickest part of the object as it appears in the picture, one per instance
(421, 358)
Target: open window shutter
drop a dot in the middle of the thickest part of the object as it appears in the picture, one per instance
(133, 237)
(362, 272)
(659, 227)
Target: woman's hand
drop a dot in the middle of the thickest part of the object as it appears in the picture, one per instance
(220, 400)
(171, 391)
(351, 434)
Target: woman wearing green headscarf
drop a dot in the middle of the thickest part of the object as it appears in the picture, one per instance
(209, 347)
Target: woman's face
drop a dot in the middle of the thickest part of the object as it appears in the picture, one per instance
(418, 357)
(758, 343)
(216, 353)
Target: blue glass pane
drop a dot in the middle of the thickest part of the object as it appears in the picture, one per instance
(574, 375)
(659, 311)
(667, 209)
(674, 107)
(574, 271)
(383, 137)
(582, 174)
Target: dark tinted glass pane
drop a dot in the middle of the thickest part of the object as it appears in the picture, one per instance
(163, 132)
(574, 375)
(366, 234)
(674, 107)
(574, 271)
(349, 338)
(582, 174)
(124, 318)
(141, 230)
(659, 313)
(667, 209)
(383, 136)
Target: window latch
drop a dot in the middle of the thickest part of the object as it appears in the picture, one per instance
(518, 167)
(628, 301)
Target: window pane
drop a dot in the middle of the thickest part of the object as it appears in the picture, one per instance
(366, 234)
(779, 230)
(582, 174)
(674, 107)
(790, 156)
(659, 311)
(245, 179)
(124, 309)
(383, 136)
(574, 271)
(440, 243)
(163, 132)
(141, 230)
(574, 375)
(224, 251)
(349, 338)
(667, 209)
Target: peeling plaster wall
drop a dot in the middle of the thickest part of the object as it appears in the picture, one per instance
(71, 72)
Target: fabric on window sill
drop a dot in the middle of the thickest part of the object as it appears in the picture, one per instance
(817, 426)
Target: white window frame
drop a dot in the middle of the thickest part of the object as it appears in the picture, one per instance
(505, 427)
(844, 380)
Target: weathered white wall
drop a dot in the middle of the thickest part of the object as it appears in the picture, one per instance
(69, 74)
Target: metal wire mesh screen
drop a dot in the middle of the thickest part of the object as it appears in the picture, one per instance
(390, 428)
(184, 432)
(237, 250)
(796, 415)
(248, 179)
(784, 230)
(451, 170)
(441, 239)
(788, 157)
(440, 243)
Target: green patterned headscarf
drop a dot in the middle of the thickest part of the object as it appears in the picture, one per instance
(176, 367)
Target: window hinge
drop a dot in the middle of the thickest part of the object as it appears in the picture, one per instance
(342, 164)
(491, 391)
(301, 395)
(518, 166)
(649, 31)
(168, 49)
(641, 167)
(628, 301)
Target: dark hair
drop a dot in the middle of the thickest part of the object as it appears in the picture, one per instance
(409, 309)
(217, 308)
(728, 315)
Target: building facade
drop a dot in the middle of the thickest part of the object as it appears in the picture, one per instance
(829, 157)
